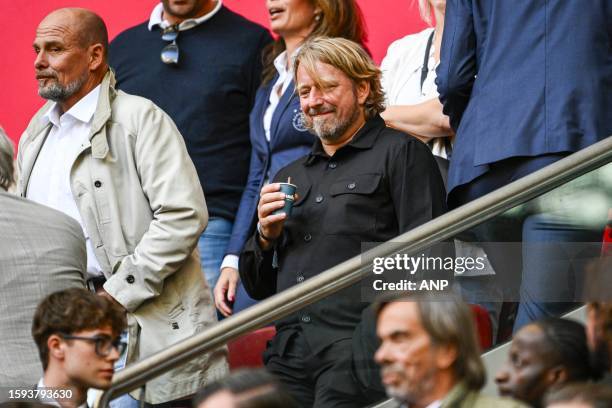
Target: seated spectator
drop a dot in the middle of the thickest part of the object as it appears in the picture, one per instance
(78, 339)
(429, 353)
(41, 251)
(544, 354)
(580, 395)
(245, 389)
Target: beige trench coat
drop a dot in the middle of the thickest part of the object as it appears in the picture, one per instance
(140, 199)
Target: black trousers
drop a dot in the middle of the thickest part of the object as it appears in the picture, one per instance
(322, 380)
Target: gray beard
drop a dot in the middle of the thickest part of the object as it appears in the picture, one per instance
(334, 131)
(58, 93)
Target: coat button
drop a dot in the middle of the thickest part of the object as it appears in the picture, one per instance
(130, 279)
(332, 165)
(305, 319)
(307, 237)
(300, 279)
(319, 198)
(351, 186)
(98, 183)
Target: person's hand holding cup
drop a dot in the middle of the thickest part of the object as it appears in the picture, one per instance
(275, 202)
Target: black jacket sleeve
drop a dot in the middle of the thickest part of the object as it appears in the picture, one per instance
(257, 272)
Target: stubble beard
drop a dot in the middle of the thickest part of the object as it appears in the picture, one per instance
(59, 93)
(331, 130)
(409, 393)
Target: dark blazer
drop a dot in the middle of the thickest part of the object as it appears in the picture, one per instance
(524, 78)
(289, 140)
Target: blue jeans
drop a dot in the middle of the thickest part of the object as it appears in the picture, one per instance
(212, 245)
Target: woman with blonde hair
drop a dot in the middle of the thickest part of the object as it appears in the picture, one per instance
(409, 83)
(278, 135)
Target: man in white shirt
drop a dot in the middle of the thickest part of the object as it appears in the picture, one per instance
(78, 338)
(117, 164)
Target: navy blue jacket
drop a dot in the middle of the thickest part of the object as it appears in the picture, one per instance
(209, 94)
(524, 78)
(289, 140)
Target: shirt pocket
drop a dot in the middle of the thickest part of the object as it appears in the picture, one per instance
(353, 205)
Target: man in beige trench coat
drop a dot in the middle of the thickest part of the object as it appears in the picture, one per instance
(118, 165)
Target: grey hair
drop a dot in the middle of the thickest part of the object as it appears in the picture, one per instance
(448, 321)
(6, 161)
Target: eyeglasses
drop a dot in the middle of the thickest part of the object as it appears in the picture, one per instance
(104, 344)
(170, 53)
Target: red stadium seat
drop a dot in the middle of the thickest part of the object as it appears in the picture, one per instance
(606, 246)
(245, 351)
(483, 325)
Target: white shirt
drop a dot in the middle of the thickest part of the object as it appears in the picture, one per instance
(401, 75)
(285, 76)
(41, 385)
(157, 18)
(49, 182)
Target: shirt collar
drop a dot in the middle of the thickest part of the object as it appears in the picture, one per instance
(364, 139)
(83, 110)
(280, 62)
(157, 20)
(41, 385)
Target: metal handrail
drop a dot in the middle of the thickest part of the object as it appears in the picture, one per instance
(353, 270)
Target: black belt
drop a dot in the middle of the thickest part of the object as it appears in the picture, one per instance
(94, 284)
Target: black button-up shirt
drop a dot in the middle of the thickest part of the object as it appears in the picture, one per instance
(380, 185)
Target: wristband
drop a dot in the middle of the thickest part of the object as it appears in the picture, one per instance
(263, 236)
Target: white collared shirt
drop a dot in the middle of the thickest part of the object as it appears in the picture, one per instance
(285, 75)
(158, 12)
(401, 75)
(49, 182)
(41, 386)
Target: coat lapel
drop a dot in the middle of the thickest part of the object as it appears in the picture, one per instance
(283, 103)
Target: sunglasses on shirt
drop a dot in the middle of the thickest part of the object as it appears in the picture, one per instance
(170, 53)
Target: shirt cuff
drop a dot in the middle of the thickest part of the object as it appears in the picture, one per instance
(230, 261)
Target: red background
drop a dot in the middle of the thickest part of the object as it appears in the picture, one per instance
(386, 20)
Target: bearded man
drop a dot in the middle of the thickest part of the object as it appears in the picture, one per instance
(117, 164)
(362, 182)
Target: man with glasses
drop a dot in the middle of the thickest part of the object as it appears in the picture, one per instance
(117, 164)
(78, 338)
(201, 63)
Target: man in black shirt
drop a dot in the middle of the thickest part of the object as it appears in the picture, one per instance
(362, 182)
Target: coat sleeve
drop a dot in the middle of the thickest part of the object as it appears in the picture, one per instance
(169, 180)
(457, 70)
(257, 270)
(245, 217)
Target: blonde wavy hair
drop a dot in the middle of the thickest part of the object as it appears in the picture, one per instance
(350, 58)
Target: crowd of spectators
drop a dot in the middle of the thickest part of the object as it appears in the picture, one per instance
(196, 165)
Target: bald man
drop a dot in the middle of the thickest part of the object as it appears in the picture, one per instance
(117, 164)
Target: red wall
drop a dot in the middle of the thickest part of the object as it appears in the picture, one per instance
(386, 21)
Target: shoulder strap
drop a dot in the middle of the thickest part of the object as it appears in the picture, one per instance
(425, 67)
